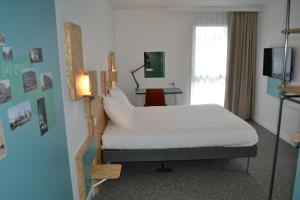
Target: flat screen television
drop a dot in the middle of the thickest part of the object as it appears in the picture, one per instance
(274, 61)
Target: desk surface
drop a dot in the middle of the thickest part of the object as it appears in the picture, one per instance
(166, 91)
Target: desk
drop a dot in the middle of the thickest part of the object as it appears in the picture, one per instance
(173, 91)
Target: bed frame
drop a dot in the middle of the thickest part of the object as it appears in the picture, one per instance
(178, 154)
(116, 156)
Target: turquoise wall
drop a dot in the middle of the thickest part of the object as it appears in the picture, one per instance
(36, 165)
(297, 182)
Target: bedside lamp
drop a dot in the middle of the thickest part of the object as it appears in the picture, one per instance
(83, 87)
(147, 67)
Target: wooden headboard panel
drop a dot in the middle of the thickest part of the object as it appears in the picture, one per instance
(100, 122)
(89, 164)
(104, 83)
(100, 118)
(84, 161)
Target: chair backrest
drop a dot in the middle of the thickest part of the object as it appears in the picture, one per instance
(155, 97)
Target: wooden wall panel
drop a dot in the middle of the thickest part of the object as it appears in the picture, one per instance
(73, 56)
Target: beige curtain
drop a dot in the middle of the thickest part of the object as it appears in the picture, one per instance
(240, 81)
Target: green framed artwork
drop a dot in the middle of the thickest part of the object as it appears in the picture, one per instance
(156, 60)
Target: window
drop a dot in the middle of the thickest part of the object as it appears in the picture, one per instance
(209, 70)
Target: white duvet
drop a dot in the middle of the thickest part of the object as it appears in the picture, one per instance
(181, 127)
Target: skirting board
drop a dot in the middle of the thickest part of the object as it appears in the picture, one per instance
(284, 136)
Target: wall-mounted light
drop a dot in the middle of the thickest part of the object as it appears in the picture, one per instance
(114, 77)
(112, 72)
(83, 87)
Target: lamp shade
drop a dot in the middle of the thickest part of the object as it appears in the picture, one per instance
(148, 68)
(83, 85)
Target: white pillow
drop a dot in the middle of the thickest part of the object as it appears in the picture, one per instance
(117, 112)
(118, 94)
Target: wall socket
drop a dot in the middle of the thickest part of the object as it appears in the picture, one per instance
(172, 84)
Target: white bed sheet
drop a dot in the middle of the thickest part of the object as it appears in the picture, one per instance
(180, 127)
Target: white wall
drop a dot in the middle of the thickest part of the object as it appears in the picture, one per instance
(271, 22)
(96, 20)
(139, 31)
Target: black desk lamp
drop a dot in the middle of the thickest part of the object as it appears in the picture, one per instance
(148, 68)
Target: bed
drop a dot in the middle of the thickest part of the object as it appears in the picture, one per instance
(180, 133)
(173, 133)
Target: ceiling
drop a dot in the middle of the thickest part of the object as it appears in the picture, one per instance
(147, 4)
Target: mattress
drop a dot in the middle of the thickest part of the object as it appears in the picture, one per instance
(180, 127)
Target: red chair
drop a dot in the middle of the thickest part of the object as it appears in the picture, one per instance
(155, 97)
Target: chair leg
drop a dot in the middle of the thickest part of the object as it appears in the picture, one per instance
(248, 165)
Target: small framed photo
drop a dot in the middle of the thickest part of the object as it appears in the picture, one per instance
(42, 115)
(29, 80)
(36, 55)
(46, 81)
(19, 115)
(2, 39)
(7, 53)
(5, 92)
(2, 142)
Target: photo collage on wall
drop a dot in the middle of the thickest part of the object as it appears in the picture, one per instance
(32, 83)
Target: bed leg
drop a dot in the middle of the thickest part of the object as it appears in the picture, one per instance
(163, 168)
(248, 165)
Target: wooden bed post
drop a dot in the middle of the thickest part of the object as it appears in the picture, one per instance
(99, 122)
(104, 85)
(112, 72)
(87, 100)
